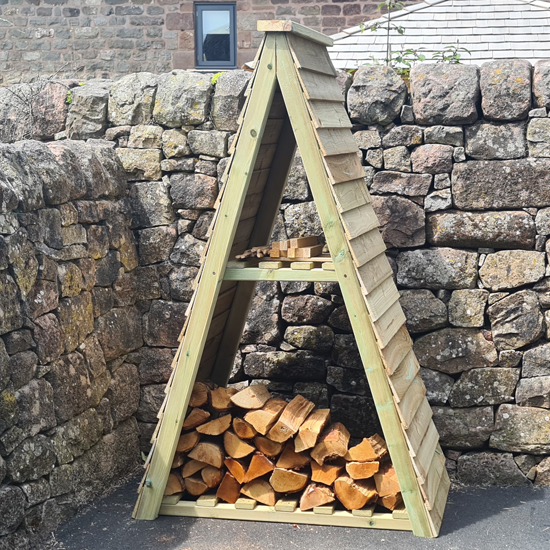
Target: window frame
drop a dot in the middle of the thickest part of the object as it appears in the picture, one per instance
(199, 9)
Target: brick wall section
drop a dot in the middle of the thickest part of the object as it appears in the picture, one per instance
(111, 38)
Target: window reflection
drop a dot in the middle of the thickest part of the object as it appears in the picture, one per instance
(216, 35)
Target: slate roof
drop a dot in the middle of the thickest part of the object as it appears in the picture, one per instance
(489, 29)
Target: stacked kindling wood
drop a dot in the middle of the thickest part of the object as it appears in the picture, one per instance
(249, 444)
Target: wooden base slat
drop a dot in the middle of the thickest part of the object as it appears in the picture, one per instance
(268, 513)
(282, 274)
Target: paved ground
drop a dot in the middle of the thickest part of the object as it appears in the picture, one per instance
(477, 519)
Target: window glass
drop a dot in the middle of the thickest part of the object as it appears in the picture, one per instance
(216, 34)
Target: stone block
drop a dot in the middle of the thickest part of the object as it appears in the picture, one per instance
(183, 97)
(162, 324)
(397, 158)
(423, 311)
(131, 99)
(501, 184)
(506, 89)
(516, 320)
(432, 159)
(357, 413)
(499, 229)
(521, 430)
(376, 95)
(538, 137)
(509, 269)
(467, 308)
(313, 338)
(174, 144)
(536, 361)
(281, 365)
(413, 185)
(463, 428)
(404, 135)
(141, 164)
(87, 117)
(12, 508)
(486, 386)
(438, 200)
(541, 84)
(156, 243)
(444, 135)
(263, 325)
(345, 352)
(76, 319)
(445, 94)
(119, 332)
(150, 204)
(193, 191)
(496, 141)
(438, 386)
(144, 136)
(454, 350)
(187, 251)
(402, 222)
(489, 469)
(347, 380)
(302, 220)
(31, 460)
(446, 268)
(124, 393)
(154, 365)
(367, 139)
(534, 392)
(305, 309)
(228, 99)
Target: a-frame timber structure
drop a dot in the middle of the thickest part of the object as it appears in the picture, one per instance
(294, 99)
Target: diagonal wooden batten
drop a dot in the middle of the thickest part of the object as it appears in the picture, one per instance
(351, 289)
(252, 130)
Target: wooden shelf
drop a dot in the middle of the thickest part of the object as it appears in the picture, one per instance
(281, 274)
(268, 513)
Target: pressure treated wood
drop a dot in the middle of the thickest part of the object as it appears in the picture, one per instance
(311, 99)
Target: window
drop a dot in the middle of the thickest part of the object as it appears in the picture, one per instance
(215, 35)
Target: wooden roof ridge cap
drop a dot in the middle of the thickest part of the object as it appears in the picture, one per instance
(292, 27)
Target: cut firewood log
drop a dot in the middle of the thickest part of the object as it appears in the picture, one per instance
(315, 495)
(290, 459)
(208, 452)
(252, 397)
(261, 491)
(371, 448)
(354, 494)
(196, 418)
(221, 399)
(188, 441)
(195, 486)
(291, 419)
(216, 426)
(173, 485)
(362, 470)
(192, 467)
(328, 472)
(391, 502)
(259, 466)
(263, 419)
(386, 481)
(288, 481)
(268, 447)
(243, 429)
(237, 469)
(311, 429)
(236, 447)
(333, 443)
(200, 395)
(179, 459)
(229, 489)
(211, 476)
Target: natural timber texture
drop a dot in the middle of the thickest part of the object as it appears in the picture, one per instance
(294, 99)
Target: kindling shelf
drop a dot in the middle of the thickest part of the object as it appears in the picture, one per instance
(281, 274)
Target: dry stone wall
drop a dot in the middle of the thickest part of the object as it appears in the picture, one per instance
(102, 229)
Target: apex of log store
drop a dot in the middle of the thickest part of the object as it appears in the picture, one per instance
(293, 100)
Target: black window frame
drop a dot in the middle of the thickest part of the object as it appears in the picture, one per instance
(199, 8)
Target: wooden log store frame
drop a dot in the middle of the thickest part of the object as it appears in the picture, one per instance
(294, 99)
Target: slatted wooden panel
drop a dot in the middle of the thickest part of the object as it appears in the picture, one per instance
(373, 269)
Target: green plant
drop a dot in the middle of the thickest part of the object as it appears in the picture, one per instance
(388, 26)
(69, 97)
(450, 54)
(215, 78)
(403, 60)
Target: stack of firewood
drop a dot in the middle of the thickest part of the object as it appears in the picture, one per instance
(249, 444)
